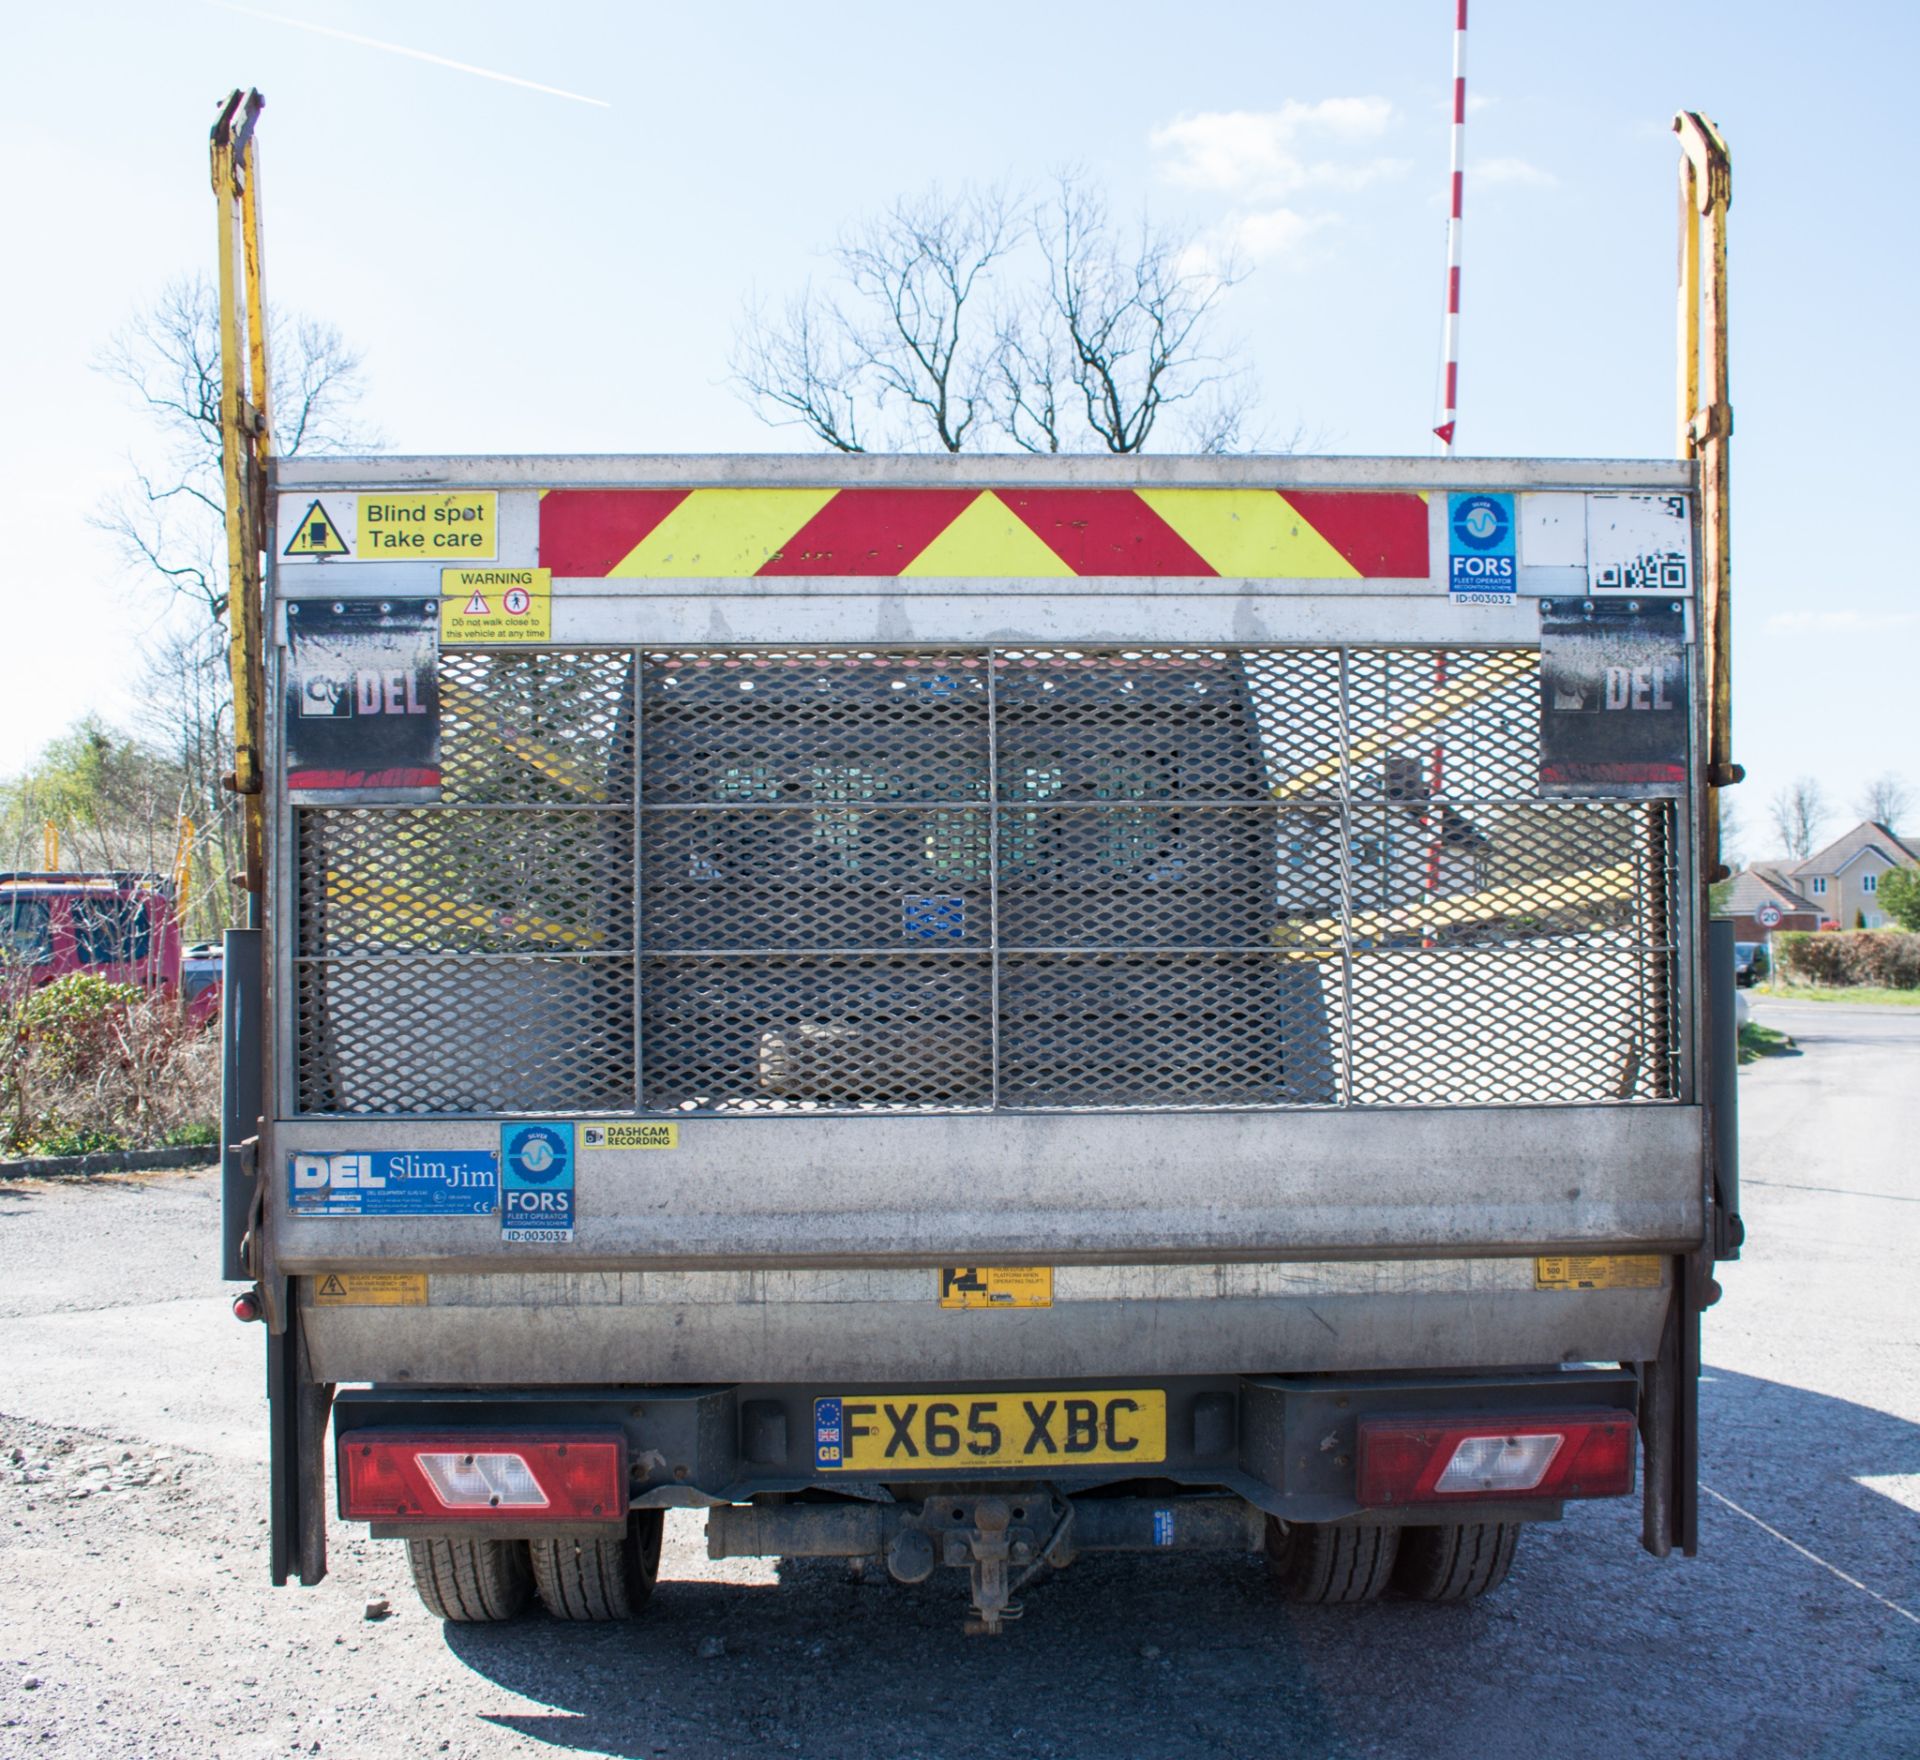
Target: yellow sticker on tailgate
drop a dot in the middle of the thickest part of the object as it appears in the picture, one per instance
(370, 1289)
(996, 1286)
(1598, 1271)
(939, 1432)
(630, 1136)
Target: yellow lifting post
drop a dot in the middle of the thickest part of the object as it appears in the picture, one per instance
(245, 447)
(1706, 433)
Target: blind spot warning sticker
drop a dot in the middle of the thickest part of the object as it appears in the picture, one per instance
(370, 1289)
(996, 1286)
(1600, 1271)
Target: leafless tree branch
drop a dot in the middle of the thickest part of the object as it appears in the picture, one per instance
(1798, 811)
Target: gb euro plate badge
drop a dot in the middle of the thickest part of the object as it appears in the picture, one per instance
(536, 1186)
(1481, 565)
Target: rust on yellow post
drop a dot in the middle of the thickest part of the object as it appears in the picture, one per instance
(1706, 432)
(244, 451)
(50, 847)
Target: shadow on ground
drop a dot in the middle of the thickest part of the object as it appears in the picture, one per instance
(1749, 1650)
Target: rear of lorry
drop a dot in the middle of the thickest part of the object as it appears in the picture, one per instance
(961, 1013)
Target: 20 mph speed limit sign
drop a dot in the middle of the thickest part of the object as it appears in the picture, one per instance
(1768, 916)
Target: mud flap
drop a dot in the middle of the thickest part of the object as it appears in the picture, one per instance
(297, 1413)
(1670, 1419)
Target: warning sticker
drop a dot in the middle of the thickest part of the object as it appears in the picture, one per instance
(996, 1286)
(630, 1136)
(317, 536)
(496, 604)
(1630, 1271)
(371, 1289)
(440, 526)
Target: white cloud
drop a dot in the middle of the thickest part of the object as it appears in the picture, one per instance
(1269, 235)
(1841, 623)
(1266, 150)
(1516, 171)
(1276, 232)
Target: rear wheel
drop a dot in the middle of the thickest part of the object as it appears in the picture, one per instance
(600, 1579)
(1457, 1562)
(471, 1581)
(1316, 1563)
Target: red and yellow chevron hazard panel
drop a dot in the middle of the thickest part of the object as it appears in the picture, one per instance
(1258, 534)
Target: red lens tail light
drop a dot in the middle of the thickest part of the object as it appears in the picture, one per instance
(1474, 1460)
(483, 1475)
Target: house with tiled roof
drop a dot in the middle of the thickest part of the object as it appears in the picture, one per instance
(1843, 879)
(1759, 886)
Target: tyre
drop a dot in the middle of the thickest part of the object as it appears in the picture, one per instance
(600, 1579)
(1316, 1563)
(471, 1582)
(1457, 1562)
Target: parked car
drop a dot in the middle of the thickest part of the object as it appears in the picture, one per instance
(1749, 962)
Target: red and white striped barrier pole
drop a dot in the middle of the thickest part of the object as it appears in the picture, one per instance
(1457, 187)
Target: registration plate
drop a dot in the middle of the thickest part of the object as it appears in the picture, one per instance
(917, 1433)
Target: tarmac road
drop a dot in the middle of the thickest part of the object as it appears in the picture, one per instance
(135, 1617)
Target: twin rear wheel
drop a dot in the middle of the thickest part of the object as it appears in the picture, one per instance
(1316, 1563)
(474, 1581)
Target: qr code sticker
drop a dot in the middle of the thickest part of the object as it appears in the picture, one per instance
(1642, 574)
(1639, 544)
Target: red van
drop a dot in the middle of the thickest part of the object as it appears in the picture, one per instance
(121, 926)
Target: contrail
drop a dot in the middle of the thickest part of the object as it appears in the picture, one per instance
(322, 30)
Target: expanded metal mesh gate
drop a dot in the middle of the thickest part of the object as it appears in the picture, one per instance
(849, 880)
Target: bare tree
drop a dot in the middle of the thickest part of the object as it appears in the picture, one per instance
(906, 341)
(167, 521)
(1733, 832)
(1887, 800)
(1799, 810)
(169, 525)
(956, 323)
(1124, 320)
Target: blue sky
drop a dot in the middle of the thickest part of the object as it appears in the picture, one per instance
(529, 272)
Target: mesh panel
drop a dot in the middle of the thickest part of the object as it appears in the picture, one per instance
(819, 729)
(1033, 878)
(1163, 1030)
(748, 1035)
(461, 1033)
(434, 881)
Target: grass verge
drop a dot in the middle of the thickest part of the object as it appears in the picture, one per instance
(1840, 993)
(1757, 1042)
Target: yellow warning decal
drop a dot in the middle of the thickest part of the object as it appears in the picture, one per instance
(996, 1286)
(630, 1136)
(442, 526)
(496, 604)
(317, 535)
(1632, 1271)
(370, 1289)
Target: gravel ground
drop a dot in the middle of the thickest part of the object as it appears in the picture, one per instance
(135, 1618)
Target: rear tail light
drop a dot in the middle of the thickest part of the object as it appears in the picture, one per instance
(1440, 1460)
(411, 1476)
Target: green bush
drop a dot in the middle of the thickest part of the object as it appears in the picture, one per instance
(87, 1065)
(1887, 959)
(1899, 896)
(73, 1020)
(75, 1140)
